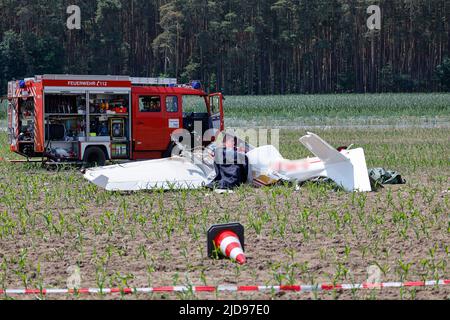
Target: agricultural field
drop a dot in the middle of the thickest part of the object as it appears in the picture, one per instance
(342, 110)
(53, 221)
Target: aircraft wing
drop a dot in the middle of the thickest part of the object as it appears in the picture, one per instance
(171, 173)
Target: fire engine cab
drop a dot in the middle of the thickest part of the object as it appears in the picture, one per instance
(92, 119)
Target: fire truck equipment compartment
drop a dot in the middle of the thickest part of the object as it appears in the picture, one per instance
(55, 131)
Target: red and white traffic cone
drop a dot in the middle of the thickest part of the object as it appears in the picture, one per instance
(228, 239)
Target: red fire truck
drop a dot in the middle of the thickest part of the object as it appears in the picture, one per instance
(92, 119)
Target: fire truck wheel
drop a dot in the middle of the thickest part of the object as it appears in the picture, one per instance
(94, 156)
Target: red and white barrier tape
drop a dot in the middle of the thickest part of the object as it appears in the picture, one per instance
(229, 288)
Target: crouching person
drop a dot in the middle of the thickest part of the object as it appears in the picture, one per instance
(231, 165)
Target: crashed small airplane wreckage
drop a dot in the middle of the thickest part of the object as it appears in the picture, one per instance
(266, 166)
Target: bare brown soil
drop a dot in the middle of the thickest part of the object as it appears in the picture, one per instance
(53, 221)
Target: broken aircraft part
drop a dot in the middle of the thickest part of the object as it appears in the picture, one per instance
(171, 173)
(347, 168)
(193, 170)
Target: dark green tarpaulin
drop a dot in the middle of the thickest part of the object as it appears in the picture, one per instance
(380, 176)
(383, 176)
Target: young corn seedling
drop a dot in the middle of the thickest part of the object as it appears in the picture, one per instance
(403, 269)
(290, 271)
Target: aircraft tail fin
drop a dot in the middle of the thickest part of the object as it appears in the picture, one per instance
(321, 149)
(348, 168)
